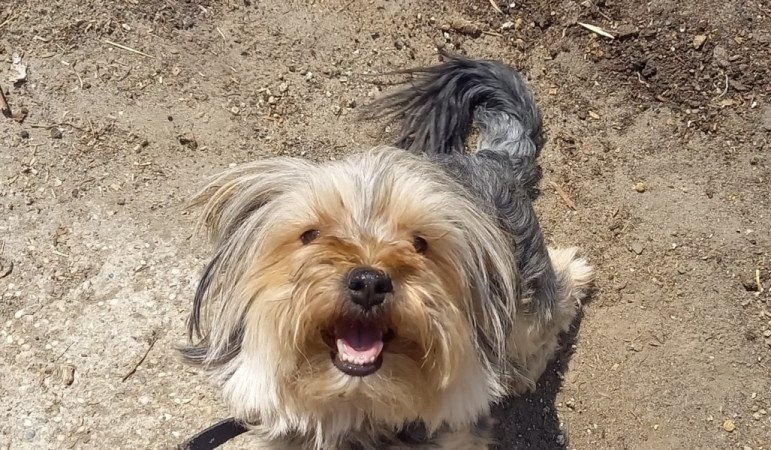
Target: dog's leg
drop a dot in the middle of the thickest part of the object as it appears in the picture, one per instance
(535, 340)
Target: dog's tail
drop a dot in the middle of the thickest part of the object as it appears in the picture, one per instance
(437, 111)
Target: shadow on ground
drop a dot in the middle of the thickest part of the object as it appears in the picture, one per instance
(531, 421)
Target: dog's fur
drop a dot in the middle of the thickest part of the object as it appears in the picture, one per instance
(475, 316)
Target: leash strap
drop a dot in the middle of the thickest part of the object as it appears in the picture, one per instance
(214, 436)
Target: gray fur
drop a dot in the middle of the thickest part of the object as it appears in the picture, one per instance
(437, 112)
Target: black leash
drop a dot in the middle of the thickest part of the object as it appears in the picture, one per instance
(214, 436)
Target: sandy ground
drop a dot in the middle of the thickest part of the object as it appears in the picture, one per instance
(658, 138)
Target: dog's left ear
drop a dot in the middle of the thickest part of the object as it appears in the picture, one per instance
(231, 196)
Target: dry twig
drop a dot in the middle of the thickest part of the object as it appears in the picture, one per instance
(222, 34)
(495, 6)
(11, 17)
(565, 197)
(133, 370)
(128, 49)
(596, 29)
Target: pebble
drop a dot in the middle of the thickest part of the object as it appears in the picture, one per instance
(24, 134)
(67, 374)
(720, 54)
(729, 425)
(765, 118)
(698, 41)
(56, 133)
(30, 435)
(640, 187)
(283, 87)
(637, 248)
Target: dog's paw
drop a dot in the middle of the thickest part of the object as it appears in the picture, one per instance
(573, 270)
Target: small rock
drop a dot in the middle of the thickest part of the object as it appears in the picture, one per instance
(750, 285)
(637, 248)
(698, 41)
(627, 31)
(283, 87)
(24, 134)
(29, 435)
(765, 118)
(67, 372)
(336, 110)
(737, 85)
(720, 54)
(6, 267)
(56, 133)
(188, 141)
(640, 187)
(121, 201)
(729, 425)
(398, 44)
(464, 26)
(292, 68)
(20, 115)
(649, 70)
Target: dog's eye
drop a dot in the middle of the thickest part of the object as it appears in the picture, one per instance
(309, 236)
(420, 244)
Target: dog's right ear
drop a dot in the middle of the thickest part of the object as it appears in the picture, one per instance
(229, 197)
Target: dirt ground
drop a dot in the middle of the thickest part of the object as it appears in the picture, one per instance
(658, 138)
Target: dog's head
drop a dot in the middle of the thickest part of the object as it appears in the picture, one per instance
(352, 292)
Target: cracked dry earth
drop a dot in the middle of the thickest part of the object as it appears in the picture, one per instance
(658, 139)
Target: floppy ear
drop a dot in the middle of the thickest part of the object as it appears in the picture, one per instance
(229, 197)
(231, 215)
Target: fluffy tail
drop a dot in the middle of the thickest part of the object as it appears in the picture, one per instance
(438, 109)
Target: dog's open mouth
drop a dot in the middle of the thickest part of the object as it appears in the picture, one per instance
(357, 345)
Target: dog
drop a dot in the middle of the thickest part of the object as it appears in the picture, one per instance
(387, 300)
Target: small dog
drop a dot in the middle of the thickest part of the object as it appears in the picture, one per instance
(389, 299)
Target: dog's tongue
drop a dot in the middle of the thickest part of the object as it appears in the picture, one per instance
(362, 341)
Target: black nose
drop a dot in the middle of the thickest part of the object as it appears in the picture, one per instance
(368, 287)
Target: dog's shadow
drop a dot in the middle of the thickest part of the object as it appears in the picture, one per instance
(531, 421)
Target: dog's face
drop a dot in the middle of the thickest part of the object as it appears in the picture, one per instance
(363, 289)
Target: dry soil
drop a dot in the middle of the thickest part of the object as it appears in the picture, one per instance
(658, 148)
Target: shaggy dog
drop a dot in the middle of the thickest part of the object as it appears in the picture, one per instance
(389, 299)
